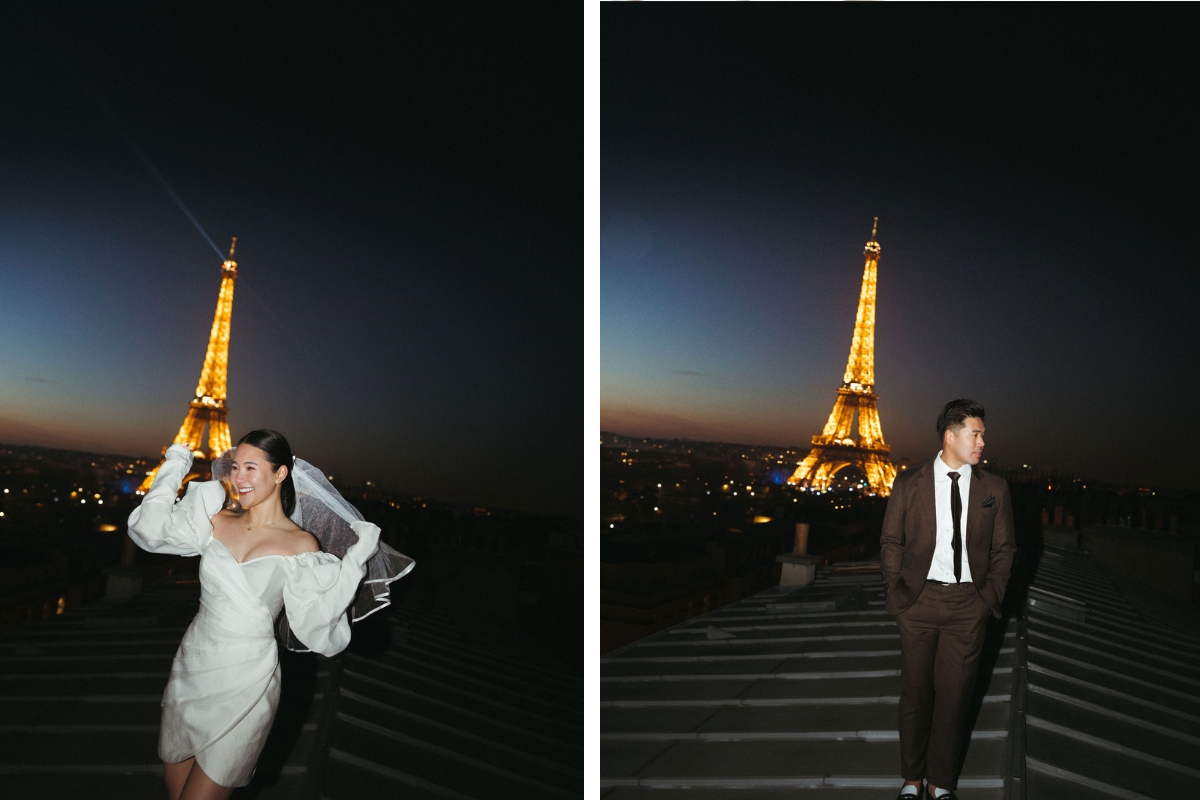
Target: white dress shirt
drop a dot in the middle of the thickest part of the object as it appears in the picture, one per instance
(942, 568)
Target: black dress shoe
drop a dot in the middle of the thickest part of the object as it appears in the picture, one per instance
(916, 796)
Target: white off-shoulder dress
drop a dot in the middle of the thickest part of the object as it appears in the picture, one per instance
(224, 686)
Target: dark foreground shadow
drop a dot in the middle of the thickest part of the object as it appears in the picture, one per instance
(371, 636)
(1024, 567)
(296, 697)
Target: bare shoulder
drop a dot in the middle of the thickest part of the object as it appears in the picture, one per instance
(223, 518)
(304, 541)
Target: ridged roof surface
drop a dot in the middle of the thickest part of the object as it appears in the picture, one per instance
(1112, 696)
(428, 702)
(1093, 691)
(787, 689)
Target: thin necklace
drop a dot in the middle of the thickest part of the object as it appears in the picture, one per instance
(272, 522)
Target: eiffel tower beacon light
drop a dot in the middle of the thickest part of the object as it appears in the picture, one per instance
(834, 448)
(208, 406)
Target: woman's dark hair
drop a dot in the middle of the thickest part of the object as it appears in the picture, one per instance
(953, 416)
(279, 454)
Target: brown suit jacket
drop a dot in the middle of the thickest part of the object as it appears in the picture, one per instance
(910, 533)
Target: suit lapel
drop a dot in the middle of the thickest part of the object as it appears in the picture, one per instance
(925, 491)
(974, 504)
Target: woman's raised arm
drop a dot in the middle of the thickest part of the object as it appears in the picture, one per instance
(159, 524)
(319, 588)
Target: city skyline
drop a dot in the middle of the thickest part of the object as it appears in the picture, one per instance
(1034, 214)
(395, 184)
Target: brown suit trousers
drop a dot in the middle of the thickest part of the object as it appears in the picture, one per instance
(941, 627)
(941, 637)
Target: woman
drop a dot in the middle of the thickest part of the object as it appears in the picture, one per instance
(255, 559)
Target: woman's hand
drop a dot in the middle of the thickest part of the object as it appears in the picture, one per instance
(181, 451)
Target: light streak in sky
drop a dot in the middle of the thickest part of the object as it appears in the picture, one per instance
(131, 144)
(127, 139)
(87, 81)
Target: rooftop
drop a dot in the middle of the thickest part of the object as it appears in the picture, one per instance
(431, 700)
(1090, 686)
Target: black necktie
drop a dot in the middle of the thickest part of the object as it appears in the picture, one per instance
(955, 514)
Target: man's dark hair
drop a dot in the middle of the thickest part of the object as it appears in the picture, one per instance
(955, 413)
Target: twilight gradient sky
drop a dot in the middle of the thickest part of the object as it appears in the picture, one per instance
(1035, 183)
(404, 191)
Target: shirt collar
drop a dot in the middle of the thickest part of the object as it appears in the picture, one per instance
(941, 470)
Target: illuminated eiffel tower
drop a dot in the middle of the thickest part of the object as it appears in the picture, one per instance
(208, 407)
(834, 449)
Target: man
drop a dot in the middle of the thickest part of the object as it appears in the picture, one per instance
(946, 552)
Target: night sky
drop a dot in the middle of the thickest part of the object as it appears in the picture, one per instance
(405, 193)
(1035, 178)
